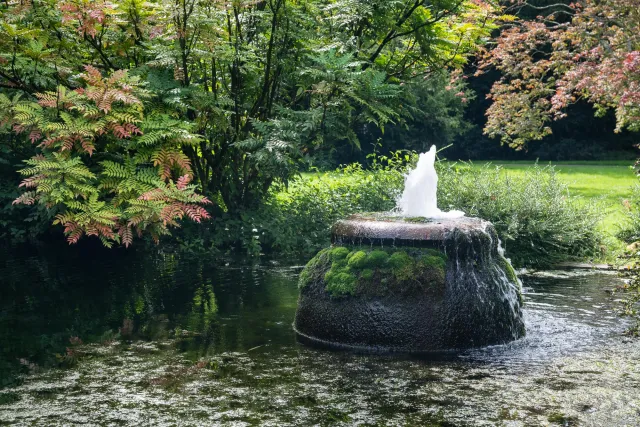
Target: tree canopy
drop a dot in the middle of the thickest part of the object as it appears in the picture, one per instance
(587, 50)
(142, 112)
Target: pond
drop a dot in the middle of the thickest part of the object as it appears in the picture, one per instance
(129, 338)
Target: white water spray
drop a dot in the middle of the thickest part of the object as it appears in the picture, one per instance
(419, 196)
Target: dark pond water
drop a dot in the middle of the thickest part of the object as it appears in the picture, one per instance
(171, 342)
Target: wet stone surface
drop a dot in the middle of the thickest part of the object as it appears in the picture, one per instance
(214, 346)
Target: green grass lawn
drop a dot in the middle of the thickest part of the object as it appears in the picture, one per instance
(609, 183)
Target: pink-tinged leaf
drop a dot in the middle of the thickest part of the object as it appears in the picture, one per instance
(34, 136)
(27, 198)
(183, 181)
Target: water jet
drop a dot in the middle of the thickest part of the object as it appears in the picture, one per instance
(421, 280)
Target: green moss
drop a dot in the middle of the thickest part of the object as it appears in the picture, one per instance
(377, 258)
(341, 284)
(418, 219)
(376, 272)
(341, 263)
(435, 252)
(399, 260)
(338, 253)
(508, 269)
(358, 260)
(431, 270)
(334, 270)
(402, 265)
(312, 268)
(432, 262)
(366, 274)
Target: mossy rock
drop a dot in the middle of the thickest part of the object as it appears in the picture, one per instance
(376, 272)
(314, 268)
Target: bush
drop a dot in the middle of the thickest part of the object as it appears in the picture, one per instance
(537, 219)
(539, 222)
(631, 231)
(297, 219)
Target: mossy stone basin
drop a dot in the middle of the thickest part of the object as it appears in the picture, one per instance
(409, 285)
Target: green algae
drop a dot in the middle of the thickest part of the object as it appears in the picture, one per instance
(510, 272)
(508, 269)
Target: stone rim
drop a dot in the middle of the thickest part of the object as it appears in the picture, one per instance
(401, 231)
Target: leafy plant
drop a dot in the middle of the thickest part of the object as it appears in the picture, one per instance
(539, 222)
(587, 50)
(239, 95)
(110, 199)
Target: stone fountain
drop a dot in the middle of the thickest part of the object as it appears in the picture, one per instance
(422, 281)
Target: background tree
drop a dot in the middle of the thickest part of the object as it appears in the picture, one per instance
(588, 50)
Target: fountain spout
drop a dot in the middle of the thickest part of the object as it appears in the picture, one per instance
(419, 198)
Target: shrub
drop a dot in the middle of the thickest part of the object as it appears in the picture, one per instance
(631, 231)
(539, 222)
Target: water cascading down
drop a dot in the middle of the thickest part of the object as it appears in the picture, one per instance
(420, 280)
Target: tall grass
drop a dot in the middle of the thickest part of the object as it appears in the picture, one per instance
(538, 220)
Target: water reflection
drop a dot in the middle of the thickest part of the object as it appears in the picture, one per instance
(169, 341)
(50, 296)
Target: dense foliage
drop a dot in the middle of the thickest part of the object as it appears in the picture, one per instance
(134, 105)
(587, 50)
(539, 222)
